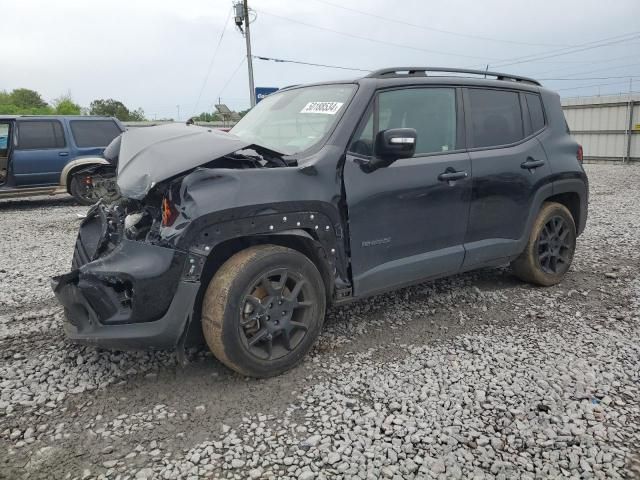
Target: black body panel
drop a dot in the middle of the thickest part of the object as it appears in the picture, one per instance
(372, 229)
(404, 223)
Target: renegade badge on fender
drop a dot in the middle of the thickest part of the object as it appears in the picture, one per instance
(323, 194)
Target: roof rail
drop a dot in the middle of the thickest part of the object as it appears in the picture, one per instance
(422, 72)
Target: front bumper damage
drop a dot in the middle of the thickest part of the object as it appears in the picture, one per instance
(132, 296)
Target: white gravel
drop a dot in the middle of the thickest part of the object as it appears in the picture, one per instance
(477, 376)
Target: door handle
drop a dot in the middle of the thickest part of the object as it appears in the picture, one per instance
(531, 164)
(64, 154)
(452, 176)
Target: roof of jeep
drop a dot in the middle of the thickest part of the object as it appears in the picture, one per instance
(398, 76)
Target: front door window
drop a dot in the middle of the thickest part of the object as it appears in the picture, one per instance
(430, 111)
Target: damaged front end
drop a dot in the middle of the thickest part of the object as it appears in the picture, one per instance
(132, 284)
(123, 292)
(138, 262)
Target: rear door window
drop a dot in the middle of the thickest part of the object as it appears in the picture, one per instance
(40, 134)
(496, 117)
(94, 133)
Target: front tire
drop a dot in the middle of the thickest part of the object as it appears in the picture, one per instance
(549, 251)
(263, 310)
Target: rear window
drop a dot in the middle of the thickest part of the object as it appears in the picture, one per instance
(94, 133)
(496, 117)
(40, 134)
(534, 104)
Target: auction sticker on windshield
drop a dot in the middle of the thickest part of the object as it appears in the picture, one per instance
(330, 108)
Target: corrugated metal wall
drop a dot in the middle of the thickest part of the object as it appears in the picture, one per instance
(608, 127)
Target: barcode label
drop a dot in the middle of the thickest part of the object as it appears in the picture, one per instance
(329, 108)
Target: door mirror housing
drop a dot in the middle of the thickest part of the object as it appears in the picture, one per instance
(396, 143)
(390, 145)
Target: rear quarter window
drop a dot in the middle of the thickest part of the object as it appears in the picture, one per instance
(534, 105)
(40, 134)
(94, 133)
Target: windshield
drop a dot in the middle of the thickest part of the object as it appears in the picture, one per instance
(292, 121)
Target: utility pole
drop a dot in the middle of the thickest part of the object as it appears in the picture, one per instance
(630, 124)
(241, 14)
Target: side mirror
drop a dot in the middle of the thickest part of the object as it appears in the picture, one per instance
(396, 143)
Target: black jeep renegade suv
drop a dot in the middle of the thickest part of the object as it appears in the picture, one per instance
(323, 194)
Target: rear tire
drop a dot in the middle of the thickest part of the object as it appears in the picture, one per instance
(263, 310)
(79, 191)
(549, 251)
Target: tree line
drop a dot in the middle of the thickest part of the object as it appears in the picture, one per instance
(23, 101)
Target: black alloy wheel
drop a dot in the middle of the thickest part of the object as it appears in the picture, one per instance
(263, 310)
(547, 256)
(555, 246)
(274, 317)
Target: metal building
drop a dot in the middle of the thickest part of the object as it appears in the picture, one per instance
(607, 127)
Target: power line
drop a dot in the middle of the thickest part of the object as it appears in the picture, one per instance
(298, 62)
(590, 86)
(213, 57)
(583, 47)
(501, 63)
(244, 59)
(609, 94)
(589, 78)
(383, 42)
(602, 69)
(280, 60)
(438, 30)
(608, 60)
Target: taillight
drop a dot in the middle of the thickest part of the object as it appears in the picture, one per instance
(169, 213)
(579, 155)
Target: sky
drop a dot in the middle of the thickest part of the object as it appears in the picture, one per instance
(168, 56)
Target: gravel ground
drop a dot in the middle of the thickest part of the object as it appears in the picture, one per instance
(476, 376)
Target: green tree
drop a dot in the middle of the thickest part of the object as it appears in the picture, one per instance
(5, 97)
(23, 101)
(115, 108)
(137, 115)
(208, 117)
(64, 105)
(27, 99)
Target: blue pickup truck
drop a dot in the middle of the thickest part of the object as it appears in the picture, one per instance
(57, 154)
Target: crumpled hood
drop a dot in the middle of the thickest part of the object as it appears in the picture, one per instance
(149, 155)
